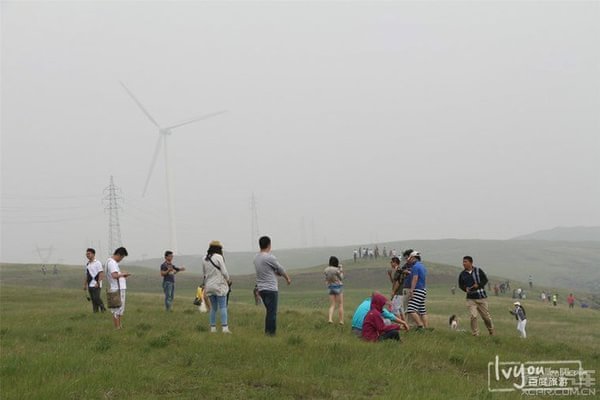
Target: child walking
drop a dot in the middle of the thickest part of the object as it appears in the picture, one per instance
(519, 313)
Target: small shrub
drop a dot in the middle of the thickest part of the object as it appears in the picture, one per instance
(295, 340)
(103, 344)
(188, 360)
(41, 337)
(10, 365)
(456, 359)
(78, 317)
(143, 327)
(160, 342)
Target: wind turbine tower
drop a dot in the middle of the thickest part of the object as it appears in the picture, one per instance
(163, 133)
(112, 199)
(254, 231)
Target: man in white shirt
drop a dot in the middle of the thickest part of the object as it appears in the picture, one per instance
(93, 280)
(117, 281)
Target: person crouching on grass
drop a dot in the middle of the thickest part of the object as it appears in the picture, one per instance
(374, 329)
(363, 309)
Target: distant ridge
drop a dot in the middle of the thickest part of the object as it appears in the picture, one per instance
(567, 234)
(552, 263)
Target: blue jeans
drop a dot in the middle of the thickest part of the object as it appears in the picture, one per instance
(169, 288)
(218, 302)
(269, 299)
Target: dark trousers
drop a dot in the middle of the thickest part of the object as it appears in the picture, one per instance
(97, 304)
(269, 299)
(394, 335)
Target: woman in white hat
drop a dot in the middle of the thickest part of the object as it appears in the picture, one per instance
(519, 313)
(216, 284)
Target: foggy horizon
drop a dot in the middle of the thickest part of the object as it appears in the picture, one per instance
(351, 123)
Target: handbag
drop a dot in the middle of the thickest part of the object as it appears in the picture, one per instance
(199, 300)
(113, 299)
(203, 307)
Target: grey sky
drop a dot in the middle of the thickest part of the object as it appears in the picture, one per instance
(367, 121)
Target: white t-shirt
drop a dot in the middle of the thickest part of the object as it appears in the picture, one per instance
(113, 266)
(94, 267)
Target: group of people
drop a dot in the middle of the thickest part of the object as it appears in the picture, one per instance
(216, 283)
(372, 253)
(379, 318)
(376, 318)
(116, 279)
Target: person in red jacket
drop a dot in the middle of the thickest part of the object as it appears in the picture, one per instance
(374, 329)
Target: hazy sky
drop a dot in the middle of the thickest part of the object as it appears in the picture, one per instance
(351, 122)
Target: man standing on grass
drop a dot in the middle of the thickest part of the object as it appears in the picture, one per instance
(472, 280)
(93, 280)
(116, 279)
(418, 291)
(168, 271)
(267, 270)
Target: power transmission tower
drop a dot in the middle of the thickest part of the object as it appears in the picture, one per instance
(254, 231)
(112, 199)
(44, 253)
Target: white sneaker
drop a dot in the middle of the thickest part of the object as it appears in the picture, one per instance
(213, 329)
(226, 330)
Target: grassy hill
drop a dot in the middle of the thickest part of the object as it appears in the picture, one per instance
(53, 347)
(366, 275)
(573, 266)
(562, 233)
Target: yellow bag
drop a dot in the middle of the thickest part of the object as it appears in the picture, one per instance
(199, 301)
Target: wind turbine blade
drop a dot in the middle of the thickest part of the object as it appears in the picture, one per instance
(139, 105)
(206, 116)
(154, 158)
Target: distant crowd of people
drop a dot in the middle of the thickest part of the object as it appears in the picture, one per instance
(372, 253)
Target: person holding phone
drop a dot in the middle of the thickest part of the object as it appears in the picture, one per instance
(117, 282)
(168, 271)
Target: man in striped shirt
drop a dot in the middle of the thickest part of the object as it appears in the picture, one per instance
(472, 280)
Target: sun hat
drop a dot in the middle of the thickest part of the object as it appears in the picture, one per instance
(215, 243)
(516, 303)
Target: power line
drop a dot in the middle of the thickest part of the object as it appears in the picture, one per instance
(49, 221)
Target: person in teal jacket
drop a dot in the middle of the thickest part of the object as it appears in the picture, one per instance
(363, 309)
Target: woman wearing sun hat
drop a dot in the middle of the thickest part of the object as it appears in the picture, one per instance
(216, 284)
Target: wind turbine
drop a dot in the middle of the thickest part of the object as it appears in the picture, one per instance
(163, 133)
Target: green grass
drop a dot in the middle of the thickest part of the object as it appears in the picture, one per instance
(53, 347)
